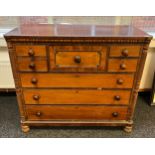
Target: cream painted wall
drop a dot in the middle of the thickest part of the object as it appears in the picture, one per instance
(6, 77)
(149, 68)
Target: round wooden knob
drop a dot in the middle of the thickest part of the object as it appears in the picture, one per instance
(122, 66)
(115, 114)
(32, 65)
(117, 97)
(31, 52)
(120, 81)
(38, 113)
(125, 52)
(34, 80)
(77, 59)
(36, 97)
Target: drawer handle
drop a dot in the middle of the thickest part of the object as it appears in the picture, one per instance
(36, 97)
(32, 65)
(123, 66)
(117, 97)
(77, 59)
(38, 113)
(115, 114)
(125, 52)
(34, 81)
(120, 81)
(31, 52)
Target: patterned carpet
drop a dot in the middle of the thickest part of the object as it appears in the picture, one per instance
(144, 123)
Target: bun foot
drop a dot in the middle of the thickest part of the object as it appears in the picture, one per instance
(128, 128)
(25, 128)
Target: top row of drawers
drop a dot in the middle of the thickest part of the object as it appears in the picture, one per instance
(77, 58)
(115, 51)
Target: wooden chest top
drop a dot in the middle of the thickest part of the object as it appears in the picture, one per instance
(58, 31)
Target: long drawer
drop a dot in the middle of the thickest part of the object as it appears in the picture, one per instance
(77, 80)
(72, 112)
(62, 96)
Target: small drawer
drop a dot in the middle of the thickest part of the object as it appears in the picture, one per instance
(78, 58)
(122, 65)
(37, 64)
(38, 80)
(124, 51)
(30, 50)
(73, 112)
(79, 96)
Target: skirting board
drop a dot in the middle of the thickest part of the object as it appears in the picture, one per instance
(7, 90)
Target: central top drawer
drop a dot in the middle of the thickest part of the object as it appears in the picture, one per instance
(78, 58)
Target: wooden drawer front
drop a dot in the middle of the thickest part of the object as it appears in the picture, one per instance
(72, 112)
(122, 65)
(77, 80)
(26, 64)
(78, 58)
(124, 51)
(28, 50)
(84, 59)
(60, 96)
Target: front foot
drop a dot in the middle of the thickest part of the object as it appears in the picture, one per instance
(128, 128)
(25, 128)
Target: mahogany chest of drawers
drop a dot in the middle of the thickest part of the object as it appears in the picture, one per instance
(77, 75)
